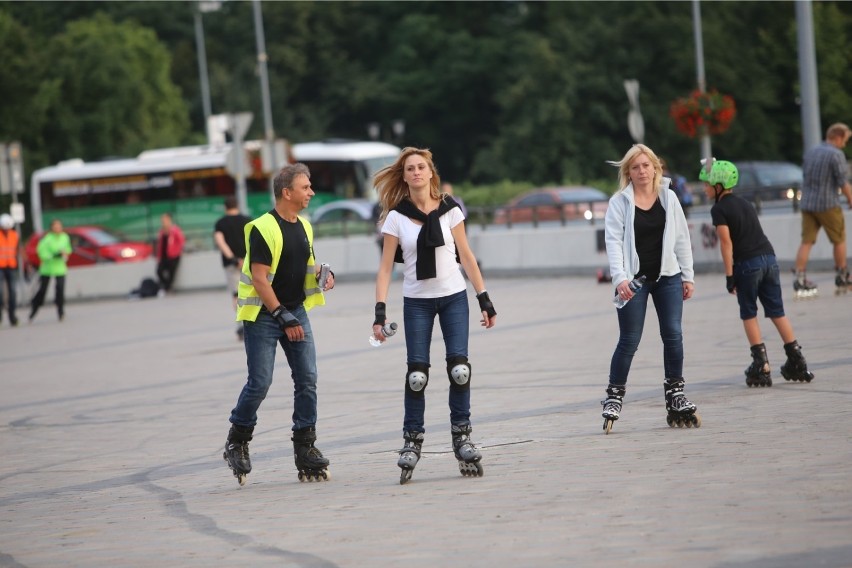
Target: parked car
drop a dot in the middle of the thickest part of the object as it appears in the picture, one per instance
(92, 245)
(344, 216)
(769, 181)
(554, 204)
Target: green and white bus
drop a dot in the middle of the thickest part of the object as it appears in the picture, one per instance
(129, 195)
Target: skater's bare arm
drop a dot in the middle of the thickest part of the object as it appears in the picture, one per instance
(726, 247)
(847, 191)
(471, 268)
(383, 277)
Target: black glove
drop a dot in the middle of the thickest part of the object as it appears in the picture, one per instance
(485, 304)
(233, 261)
(730, 284)
(284, 318)
(381, 314)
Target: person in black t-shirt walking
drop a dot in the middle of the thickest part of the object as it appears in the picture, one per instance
(751, 272)
(229, 235)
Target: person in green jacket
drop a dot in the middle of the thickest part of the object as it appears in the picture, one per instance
(53, 250)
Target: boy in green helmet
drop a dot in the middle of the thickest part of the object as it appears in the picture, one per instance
(751, 272)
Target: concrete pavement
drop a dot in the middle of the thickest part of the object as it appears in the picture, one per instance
(112, 425)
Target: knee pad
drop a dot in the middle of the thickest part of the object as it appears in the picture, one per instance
(416, 379)
(459, 372)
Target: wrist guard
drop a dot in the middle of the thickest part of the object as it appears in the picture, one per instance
(284, 318)
(485, 304)
(730, 284)
(381, 313)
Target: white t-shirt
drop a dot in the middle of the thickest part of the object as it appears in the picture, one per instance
(448, 279)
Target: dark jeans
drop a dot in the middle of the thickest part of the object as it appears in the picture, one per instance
(668, 301)
(262, 338)
(166, 270)
(419, 316)
(38, 299)
(8, 280)
(759, 277)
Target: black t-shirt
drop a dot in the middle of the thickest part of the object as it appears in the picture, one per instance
(289, 280)
(648, 227)
(747, 235)
(232, 228)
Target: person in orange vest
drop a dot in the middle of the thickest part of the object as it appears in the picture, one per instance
(9, 248)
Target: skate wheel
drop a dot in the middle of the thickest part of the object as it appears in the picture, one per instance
(696, 420)
(607, 425)
(241, 478)
(670, 421)
(405, 476)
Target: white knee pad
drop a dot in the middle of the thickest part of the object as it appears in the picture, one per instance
(459, 372)
(416, 379)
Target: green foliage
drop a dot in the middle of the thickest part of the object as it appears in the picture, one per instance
(117, 98)
(528, 91)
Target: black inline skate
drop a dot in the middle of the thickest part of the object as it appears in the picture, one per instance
(310, 462)
(841, 282)
(467, 454)
(237, 452)
(681, 412)
(409, 455)
(758, 374)
(796, 368)
(612, 406)
(802, 287)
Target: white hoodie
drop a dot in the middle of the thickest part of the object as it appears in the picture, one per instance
(621, 240)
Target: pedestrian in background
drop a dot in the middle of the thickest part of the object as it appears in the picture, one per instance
(9, 253)
(647, 235)
(170, 243)
(277, 289)
(53, 250)
(825, 174)
(424, 229)
(229, 236)
(751, 272)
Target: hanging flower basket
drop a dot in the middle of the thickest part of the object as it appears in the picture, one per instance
(712, 111)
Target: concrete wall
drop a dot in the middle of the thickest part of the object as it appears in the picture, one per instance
(570, 250)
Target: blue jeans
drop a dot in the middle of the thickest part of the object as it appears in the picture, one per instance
(759, 277)
(419, 316)
(262, 338)
(668, 301)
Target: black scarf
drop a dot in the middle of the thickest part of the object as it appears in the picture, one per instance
(430, 236)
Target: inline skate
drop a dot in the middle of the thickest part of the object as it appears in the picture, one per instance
(237, 452)
(681, 412)
(841, 282)
(612, 406)
(758, 373)
(466, 453)
(409, 455)
(802, 287)
(796, 368)
(309, 460)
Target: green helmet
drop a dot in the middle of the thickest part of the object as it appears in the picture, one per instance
(721, 171)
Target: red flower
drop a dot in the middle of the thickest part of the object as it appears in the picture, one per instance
(699, 111)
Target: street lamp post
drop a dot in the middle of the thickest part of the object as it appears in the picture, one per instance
(269, 132)
(706, 151)
(201, 49)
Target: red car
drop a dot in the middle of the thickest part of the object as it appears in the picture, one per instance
(92, 245)
(554, 204)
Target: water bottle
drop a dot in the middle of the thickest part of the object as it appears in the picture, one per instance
(388, 330)
(635, 284)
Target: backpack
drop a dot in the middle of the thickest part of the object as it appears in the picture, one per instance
(147, 289)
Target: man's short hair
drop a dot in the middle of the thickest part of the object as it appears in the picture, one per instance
(286, 176)
(838, 130)
(230, 202)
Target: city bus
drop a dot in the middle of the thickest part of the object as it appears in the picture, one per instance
(129, 195)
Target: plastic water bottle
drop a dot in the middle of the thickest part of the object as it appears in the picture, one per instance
(388, 330)
(635, 284)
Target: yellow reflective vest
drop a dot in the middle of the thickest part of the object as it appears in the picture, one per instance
(248, 301)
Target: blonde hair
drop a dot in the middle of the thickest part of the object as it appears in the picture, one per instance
(623, 166)
(390, 181)
(838, 130)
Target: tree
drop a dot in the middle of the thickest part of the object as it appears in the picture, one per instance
(117, 97)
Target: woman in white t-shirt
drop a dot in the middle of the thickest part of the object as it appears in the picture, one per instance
(424, 230)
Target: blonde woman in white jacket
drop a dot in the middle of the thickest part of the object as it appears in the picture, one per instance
(647, 235)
